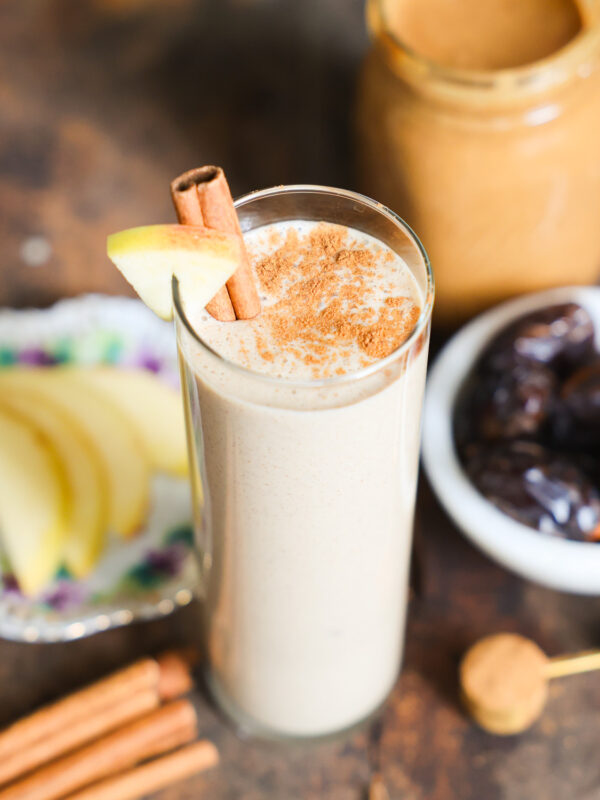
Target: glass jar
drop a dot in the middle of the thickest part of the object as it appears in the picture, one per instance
(499, 171)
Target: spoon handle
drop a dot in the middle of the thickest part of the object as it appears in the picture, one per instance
(586, 661)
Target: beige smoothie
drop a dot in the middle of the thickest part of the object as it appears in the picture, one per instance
(309, 478)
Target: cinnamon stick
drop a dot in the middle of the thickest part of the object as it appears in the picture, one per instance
(76, 734)
(166, 677)
(154, 775)
(156, 733)
(174, 676)
(218, 211)
(377, 789)
(201, 196)
(85, 702)
(187, 206)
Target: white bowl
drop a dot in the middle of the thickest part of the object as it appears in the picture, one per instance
(558, 563)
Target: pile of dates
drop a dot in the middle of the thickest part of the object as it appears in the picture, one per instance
(527, 423)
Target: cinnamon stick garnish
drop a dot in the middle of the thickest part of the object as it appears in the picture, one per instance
(154, 734)
(202, 197)
(155, 775)
(187, 206)
(166, 677)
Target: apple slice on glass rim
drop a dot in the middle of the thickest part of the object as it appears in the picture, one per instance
(200, 258)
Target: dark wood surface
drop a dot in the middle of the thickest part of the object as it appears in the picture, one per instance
(101, 104)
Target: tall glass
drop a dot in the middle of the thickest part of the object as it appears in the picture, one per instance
(303, 496)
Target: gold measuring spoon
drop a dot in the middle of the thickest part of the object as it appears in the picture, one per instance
(504, 680)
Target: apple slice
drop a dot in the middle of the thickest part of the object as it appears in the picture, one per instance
(121, 452)
(87, 514)
(154, 410)
(33, 502)
(202, 260)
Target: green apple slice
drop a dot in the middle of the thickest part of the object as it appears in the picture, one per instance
(33, 502)
(154, 410)
(87, 516)
(202, 259)
(120, 450)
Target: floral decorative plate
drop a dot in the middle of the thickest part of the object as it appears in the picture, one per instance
(152, 574)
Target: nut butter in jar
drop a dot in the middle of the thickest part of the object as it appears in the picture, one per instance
(479, 123)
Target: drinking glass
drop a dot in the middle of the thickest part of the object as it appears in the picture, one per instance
(303, 495)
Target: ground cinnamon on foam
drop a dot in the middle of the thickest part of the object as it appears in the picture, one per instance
(327, 282)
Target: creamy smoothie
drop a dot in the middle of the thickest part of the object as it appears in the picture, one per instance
(309, 453)
(333, 300)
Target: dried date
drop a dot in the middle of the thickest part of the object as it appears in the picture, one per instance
(559, 336)
(538, 487)
(576, 422)
(527, 423)
(512, 404)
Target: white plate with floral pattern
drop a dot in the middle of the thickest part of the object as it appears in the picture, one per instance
(142, 578)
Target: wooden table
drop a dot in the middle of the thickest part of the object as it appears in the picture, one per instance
(102, 103)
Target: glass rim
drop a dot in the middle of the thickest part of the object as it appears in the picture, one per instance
(538, 75)
(335, 380)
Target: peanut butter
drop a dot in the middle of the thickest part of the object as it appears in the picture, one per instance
(485, 34)
(479, 122)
